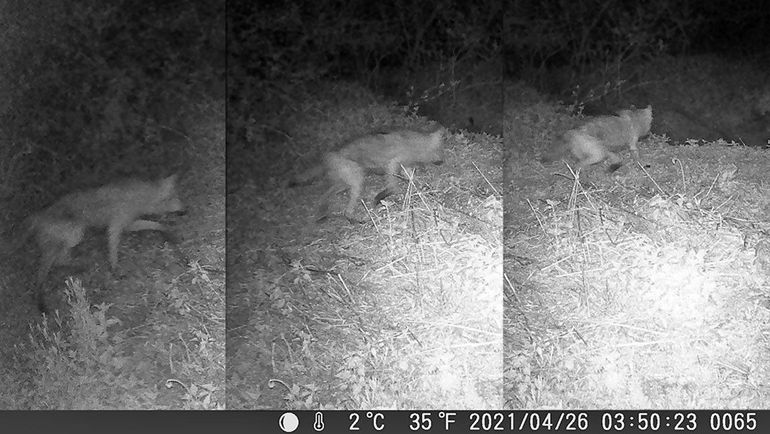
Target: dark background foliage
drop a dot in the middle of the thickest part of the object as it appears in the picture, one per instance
(314, 39)
(584, 34)
(88, 84)
(280, 53)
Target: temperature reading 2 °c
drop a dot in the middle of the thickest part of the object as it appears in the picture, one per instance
(376, 418)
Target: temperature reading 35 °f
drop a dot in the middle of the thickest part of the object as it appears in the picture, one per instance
(377, 421)
(424, 421)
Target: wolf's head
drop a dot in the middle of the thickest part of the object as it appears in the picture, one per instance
(641, 119)
(166, 200)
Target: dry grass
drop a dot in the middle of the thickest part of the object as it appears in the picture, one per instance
(154, 339)
(403, 311)
(646, 289)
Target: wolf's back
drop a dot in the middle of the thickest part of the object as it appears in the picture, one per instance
(617, 132)
(123, 200)
(408, 147)
(594, 141)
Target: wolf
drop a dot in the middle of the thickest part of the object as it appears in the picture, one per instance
(382, 153)
(117, 206)
(592, 142)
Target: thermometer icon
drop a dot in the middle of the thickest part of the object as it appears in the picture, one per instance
(318, 425)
